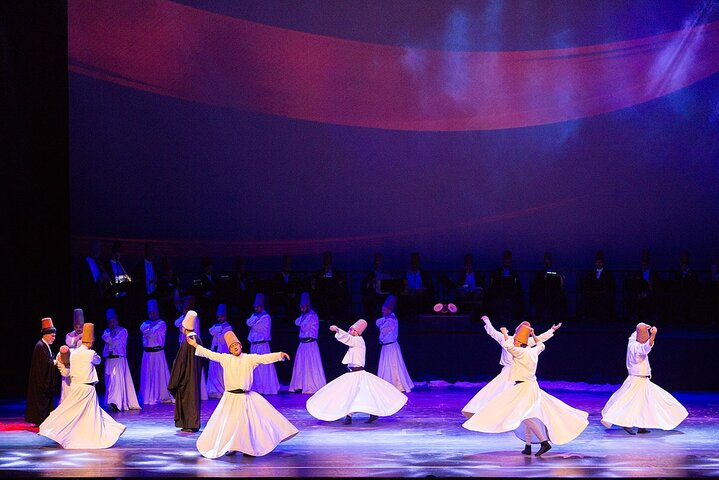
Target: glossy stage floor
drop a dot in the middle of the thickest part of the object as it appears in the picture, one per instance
(425, 438)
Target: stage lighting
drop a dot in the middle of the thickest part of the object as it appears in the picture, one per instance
(444, 308)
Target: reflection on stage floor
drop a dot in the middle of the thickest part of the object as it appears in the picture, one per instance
(425, 438)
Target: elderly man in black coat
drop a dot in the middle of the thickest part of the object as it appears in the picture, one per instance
(44, 378)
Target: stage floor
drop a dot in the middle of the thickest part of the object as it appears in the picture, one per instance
(425, 438)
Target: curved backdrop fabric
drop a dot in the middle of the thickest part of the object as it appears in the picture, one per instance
(191, 124)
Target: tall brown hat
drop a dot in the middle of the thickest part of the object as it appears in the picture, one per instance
(231, 338)
(642, 332)
(523, 324)
(47, 326)
(360, 325)
(390, 303)
(88, 333)
(78, 317)
(259, 300)
(152, 306)
(522, 334)
(65, 355)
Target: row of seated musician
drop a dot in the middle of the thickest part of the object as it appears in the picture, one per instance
(590, 295)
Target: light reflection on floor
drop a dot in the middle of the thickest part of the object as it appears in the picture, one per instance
(424, 438)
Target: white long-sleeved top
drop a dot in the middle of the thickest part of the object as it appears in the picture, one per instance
(388, 328)
(115, 342)
(638, 357)
(526, 359)
(218, 337)
(506, 359)
(64, 371)
(260, 325)
(153, 333)
(355, 355)
(309, 324)
(73, 340)
(237, 372)
(82, 365)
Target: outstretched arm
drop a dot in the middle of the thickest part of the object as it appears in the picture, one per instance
(271, 358)
(64, 371)
(652, 335)
(549, 333)
(342, 336)
(201, 351)
(491, 331)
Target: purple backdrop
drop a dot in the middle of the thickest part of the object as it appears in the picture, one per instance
(170, 162)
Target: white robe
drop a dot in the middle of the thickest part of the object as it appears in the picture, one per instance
(154, 372)
(72, 340)
(79, 422)
(308, 373)
(266, 381)
(501, 382)
(215, 384)
(639, 402)
(242, 422)
(119, 387)
(506, 411)
(391, 363)
(358, 391)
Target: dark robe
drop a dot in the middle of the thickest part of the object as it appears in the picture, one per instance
(42, 384)
(185, 386)
(548, 297)
(505, 296)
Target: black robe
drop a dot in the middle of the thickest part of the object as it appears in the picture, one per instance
(185, 386)
(42, 384)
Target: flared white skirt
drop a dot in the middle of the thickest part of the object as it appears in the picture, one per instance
(244, 423)
(79, 422)
(119, 388)
(506, 411)
(154, 377)
(392, 368)
(355, 392)
(496, 386)
(641, 403)
(64, 387)
(308, 374)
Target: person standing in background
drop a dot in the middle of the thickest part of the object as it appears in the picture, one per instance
(260, 324)
(119, 388)
(215, 387)
(154, 373)
(391, 363)
(308, 375)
